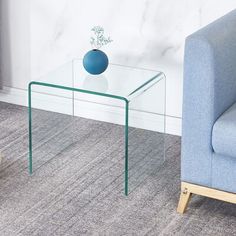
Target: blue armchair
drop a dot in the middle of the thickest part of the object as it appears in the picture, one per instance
(208, 158)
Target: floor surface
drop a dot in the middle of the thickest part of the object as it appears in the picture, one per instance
(77, 184)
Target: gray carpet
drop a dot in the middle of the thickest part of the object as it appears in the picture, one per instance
(77, 184)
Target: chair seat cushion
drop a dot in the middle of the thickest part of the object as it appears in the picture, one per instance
(224, 133)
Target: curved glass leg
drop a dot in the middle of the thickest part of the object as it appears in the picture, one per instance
(126, 147)
(30, 130)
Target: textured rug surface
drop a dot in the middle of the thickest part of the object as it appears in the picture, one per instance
(77, 184)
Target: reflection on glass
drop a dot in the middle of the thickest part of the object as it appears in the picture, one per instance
(97, 83)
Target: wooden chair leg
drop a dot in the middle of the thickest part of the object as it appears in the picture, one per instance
(184, 199)
(188, 189)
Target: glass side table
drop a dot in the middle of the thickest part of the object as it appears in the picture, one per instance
(117, 87)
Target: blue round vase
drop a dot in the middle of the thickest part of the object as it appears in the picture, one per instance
(95, 62)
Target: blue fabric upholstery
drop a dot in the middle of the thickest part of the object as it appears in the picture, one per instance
(209, 90)
(224, 133)
(224, 173)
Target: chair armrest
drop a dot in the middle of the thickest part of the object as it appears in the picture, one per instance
(209, 89)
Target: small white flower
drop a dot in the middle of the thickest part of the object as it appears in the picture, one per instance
(99, 40)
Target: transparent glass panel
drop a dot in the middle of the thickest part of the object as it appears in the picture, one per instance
(52, 120)
(147, 145)
(117, 80)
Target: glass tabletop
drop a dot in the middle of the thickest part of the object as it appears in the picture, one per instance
(117, 80)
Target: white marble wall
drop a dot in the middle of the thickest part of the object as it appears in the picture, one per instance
(14, 43)
(146, 33)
